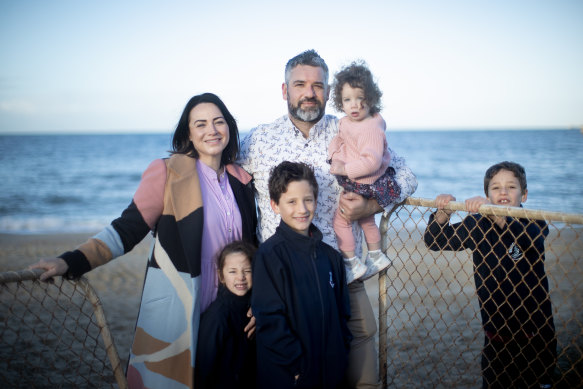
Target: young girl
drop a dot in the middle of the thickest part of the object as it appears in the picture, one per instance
(225, 356)
(360, 160)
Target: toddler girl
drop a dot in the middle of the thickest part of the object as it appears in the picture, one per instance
(225, 356)
(360, 160)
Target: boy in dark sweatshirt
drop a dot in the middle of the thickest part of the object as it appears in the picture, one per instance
(300, 297)
(513, 291)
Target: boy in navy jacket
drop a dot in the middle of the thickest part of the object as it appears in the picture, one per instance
(513, 292)
(300, 297)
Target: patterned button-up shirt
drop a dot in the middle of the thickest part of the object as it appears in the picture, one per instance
(269, 144)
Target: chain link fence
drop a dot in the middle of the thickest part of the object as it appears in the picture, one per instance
(54, 335)
(431, 332)
(430, 326)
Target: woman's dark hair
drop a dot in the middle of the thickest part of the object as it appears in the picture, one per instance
(357, 75)
(181, 143)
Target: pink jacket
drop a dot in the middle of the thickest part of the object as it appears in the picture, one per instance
(362, 146)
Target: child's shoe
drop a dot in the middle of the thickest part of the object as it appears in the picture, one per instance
(376, 261)
(354, 269)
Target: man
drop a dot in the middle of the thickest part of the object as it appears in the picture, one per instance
(303, 135)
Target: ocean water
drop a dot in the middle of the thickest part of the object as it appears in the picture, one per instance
(79, 183)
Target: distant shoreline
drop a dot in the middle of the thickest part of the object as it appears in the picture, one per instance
(125, 132)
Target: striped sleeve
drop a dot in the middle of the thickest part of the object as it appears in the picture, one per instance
(126, 231)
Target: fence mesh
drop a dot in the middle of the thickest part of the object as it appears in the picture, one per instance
(430, 326)
(54, 335)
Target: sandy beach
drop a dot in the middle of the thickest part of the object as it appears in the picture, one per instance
(433, 319)
(118, 284)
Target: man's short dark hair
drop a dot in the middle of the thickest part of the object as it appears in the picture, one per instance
(513, 167)
(286, 172)
(308, 58)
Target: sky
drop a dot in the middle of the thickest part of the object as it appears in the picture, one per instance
(131, 66)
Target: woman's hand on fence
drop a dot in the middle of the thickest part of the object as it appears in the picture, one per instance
(52, 266)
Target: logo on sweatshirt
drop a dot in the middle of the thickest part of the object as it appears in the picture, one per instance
(514, 252)
(331, 281)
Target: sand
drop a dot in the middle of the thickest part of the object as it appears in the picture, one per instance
(434, 335)
(118, 283)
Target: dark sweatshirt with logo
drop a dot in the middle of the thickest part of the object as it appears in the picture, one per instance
(509, 272)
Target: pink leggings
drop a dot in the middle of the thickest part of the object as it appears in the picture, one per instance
(343, 230)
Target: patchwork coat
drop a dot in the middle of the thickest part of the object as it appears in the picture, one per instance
(168, 202)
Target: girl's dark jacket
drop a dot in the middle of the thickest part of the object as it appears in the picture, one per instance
(225, 354)
(300, 301)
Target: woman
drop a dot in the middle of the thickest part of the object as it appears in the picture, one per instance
(181, 280)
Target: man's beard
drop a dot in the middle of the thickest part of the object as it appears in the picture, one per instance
(311, 115)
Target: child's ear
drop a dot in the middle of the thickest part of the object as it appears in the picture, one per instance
(524, 196)
(274, 206)
(221, 278)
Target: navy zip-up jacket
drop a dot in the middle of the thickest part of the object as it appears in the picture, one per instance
(225, 355)
(509, 272)
(301, 304)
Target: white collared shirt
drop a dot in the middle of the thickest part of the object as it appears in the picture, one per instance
(267, 145)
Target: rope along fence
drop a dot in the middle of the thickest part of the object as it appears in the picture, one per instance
(54, 335)
(435, 304)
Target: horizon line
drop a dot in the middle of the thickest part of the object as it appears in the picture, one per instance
(145, 131)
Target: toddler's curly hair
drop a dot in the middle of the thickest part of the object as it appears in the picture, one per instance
(357, 75)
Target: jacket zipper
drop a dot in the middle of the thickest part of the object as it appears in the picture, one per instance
(322, 345)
